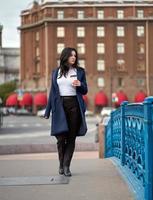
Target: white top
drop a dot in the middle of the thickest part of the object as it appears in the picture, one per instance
(65, 83)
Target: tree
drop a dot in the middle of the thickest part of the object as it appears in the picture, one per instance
(6, 89)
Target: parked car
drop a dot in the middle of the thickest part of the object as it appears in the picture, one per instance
(23, 111)
(89, 113)
(4, 111)
(1, 116)
(11, 110)
(106, 111)
(104, 121)
(40, 113)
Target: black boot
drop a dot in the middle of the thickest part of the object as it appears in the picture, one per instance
(61, 170)
(67, 171)
(61, 149)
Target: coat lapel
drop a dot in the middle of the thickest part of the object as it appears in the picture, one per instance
(55, 74)
(78, 74)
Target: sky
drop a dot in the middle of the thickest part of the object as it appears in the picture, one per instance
(10, 11)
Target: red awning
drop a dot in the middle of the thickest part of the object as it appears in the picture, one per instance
(85, 98)
(101, 99)
(27, 100)
(12, 100)
(40, 99)
(121, 96)
(140, 96)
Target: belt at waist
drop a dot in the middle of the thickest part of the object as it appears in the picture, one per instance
(68, 97)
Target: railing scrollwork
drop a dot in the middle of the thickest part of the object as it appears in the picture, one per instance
(129, 137)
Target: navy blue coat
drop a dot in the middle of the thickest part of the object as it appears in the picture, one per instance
(54, 105)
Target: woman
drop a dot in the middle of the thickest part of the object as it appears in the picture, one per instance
(67, 106)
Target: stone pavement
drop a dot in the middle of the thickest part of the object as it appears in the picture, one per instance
(39, 145)
(92, 178)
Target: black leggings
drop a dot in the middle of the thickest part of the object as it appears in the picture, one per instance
(66, 141)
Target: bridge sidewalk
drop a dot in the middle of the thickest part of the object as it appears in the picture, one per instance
(92, 178)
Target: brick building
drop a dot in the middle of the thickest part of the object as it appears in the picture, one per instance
(114, 40)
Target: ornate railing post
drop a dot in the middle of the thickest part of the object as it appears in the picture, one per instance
(111, 137)
(148, 148)
(108, 139)
(123, 132)
(105, 143)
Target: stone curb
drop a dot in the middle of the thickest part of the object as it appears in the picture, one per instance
(42, 148)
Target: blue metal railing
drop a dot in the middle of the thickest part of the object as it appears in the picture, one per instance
(129, 137)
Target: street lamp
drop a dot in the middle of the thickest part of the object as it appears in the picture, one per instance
(147, 59)
(111, 85)
(1, 115)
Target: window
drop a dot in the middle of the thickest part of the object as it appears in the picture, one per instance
(2, 60)
(60, 32)
(100, 31)
(100, 14)
(120, 31)
(140, 31)
(100, 65)
(120, 14)
(60, 47)
(82, 63)
(58, 62)
(37, 36)
(37, 51)
(81, 48)
(38, 67)
(80, 14)
(80, 32)
(100, 82)
(141, 66)
(140, 82)
(120, 48)
(120, 65)
(60, 14)
(140, 13)
(100, 48)
(120, 82)
(141, 48)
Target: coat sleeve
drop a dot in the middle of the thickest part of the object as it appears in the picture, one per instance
(49, 103)
(83, 89)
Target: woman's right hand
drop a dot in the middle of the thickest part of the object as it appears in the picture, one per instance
(76, 83)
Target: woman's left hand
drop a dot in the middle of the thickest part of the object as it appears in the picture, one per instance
(76, 83)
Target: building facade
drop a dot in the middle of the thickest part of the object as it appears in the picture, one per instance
(9, 62)
(114, 40)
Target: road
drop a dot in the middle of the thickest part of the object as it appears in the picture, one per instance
(36, 130)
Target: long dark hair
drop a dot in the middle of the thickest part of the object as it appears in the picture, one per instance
(64, 66)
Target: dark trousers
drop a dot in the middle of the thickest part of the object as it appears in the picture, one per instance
(66, 141)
